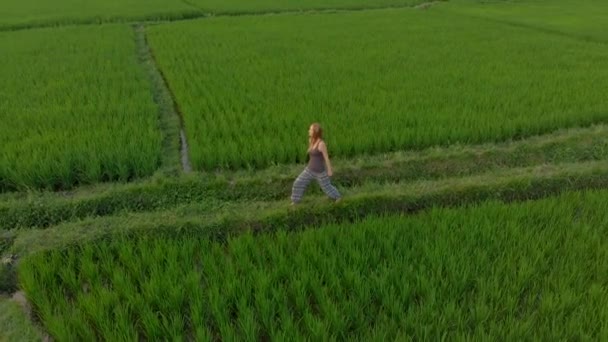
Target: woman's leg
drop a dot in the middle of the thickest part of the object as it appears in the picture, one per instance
(300, 185)
(327, 187)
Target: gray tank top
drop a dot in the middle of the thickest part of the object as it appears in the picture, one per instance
(316, 163)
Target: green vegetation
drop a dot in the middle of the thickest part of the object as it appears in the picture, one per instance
(468, 138)
(32, 13)
(521, 271)
(19, 14)
(76, 109)
(377, 80)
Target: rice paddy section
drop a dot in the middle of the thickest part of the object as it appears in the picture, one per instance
(581, 19)
(378, 81)
(17, 14)
(532, 270)
(32, 13)
(76, 109)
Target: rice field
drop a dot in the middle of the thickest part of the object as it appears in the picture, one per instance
(378, 81)
(419, 249)
(17, 14)
(30, 13)
(527, 271)
(76, 108)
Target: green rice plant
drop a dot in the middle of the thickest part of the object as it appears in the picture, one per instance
(378, 81)
(77, 109)
(529, 270)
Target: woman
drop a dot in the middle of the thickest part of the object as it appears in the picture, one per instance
(318, 168)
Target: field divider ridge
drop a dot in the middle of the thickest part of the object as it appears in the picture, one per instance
(519, 184)
(42, 210)
(530, 27)
(175, 145)
(17, 321)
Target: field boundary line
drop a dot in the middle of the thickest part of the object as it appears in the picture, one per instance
(530, 27)
(203, 14)
(170, 116)
(564, 34)
(517, 185)
(193, 5)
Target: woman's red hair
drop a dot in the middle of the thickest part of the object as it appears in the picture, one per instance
(317, 133)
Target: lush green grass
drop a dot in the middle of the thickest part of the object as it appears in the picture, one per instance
(534, 270)
(378, 81)
(76, 108)
(583, 19)
(31, 13)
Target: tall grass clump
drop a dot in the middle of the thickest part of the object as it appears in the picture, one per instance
(531, 270)
(76, 108)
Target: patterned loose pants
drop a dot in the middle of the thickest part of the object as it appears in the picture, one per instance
(301, 183)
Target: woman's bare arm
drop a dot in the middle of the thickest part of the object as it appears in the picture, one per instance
(323, 149)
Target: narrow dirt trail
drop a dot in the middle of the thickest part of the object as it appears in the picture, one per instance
(170, 116)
